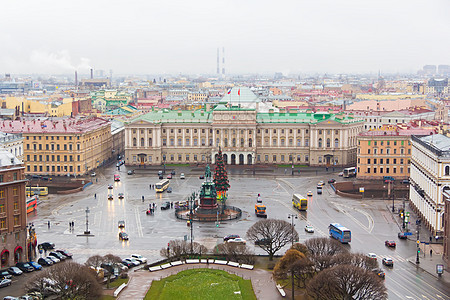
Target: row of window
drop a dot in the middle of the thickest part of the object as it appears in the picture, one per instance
(388, 151)
(3, 207)
(15, 193)
(14, 177)
(3, 222)
(282, 157)
(233, 131)
(387, 169)
(381, 161)
(54, 169)
(52, 157)
(52, 147)
(375, 143)
(52, 138)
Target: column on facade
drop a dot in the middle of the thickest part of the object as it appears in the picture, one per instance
(183, 139)
(270, 137)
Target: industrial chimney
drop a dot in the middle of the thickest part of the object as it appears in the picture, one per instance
(92, 73)
(76, 80)
(223, 60)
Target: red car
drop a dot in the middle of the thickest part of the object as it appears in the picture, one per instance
(390, 243)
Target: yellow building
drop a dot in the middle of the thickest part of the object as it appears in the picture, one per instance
(51, 106)
(65, 146)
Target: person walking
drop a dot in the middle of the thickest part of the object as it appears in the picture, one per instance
(48, 224)
(73, 224)
(95, 196)
(431, 252)
(142, 198)
(431, 239)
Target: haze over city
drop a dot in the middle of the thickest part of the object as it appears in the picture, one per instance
(143, 37)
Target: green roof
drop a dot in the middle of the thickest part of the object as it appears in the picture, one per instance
(174, 116)
(303, 117)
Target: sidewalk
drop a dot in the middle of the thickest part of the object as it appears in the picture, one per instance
(140, 281)
(428, 262)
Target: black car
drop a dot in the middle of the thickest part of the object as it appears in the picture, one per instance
(127, 264)
(25, 267)
(65, 253)
(332, 181)
(263, 241)
(169, 189)
(45, 262)
(161, 176)
(123, 236)
(165, 205)
(5, 274)
(47, 246)
(172, 172)
(402, 236)
(201, 177)
(57, 255)
(380, 273)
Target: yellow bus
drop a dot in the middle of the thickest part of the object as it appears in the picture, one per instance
(36, 190)
(299, 202)
(162, 185)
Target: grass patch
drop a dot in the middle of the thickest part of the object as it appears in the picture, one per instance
(201, 284)
(107, 297)
(290, 166)
(177, 165)
(118, 282)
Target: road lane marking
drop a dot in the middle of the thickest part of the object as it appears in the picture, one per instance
(138, 222)
(368, 229)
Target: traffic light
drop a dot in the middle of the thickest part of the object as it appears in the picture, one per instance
(418, 250)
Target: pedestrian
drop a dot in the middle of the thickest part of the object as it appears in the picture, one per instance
(431, 252)
(171, 204)
(437, 238)
(431, 239)
(95, 196)
(142, 198)
(73, 224)
(48, 224)
(70, 225)
(150, 186)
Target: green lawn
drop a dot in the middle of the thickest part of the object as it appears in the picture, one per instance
(201, 284)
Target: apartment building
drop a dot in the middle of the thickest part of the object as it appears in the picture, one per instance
(13, 212)
(63, 146)
(244, 135)
(430, 178)
(12, 143)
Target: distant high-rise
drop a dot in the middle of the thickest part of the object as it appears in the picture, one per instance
(444, 69)
(429, 69)
(218, 62)
(223, 60)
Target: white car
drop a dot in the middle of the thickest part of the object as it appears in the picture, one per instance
(139, 258)
(309, 229)
(372, 256)
(54, 259)
(237, 241)
(182, 176)
(132, 261)
(341, 174)
(93, 174)
(309, 194)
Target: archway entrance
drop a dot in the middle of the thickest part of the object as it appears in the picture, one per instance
(249, 159)
(142, 158)
(225, 159)
(241, 159)
(233, 159)
(328, 159)
(18, 252)
(4, 258)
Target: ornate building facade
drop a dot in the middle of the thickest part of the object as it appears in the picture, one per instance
(244, 135)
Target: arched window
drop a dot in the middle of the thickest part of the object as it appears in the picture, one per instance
(320, 143)
(336, 143)
(328, 143)
(447, 170)
(250, 143)
(134, 142)
(142, 142)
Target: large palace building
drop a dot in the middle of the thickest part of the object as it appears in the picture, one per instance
(245, 136)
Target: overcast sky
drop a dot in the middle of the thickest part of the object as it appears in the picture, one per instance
(173, 36)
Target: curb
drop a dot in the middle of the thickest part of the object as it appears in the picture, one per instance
(413, 262)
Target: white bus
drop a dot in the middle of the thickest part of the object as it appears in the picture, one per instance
(349, 172)
(162, 185)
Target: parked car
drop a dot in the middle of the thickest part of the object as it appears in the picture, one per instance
(123, 236)
(110, 197)
(65, 253)
(161, 176)
(139, 258)
(309, 194)
(130, 172)
(390, 243)
(133, 261)
(5, 282)
(169, 189)
(127, 263)
(372, 256)
(121, 224)
(110, 186)
(120, 196)
(172, 172)
(321, 183)
(54, 259)
(35, 265)
(165, 205)
(379, 273)
(237, 241)
(230, 236)
(58, 255)
(182, 176)
(15, 271)
(402, 236)
(93, 174)
(25, 267)
(263, 241)
(405, 181)
(47, 246)
(169, 176)
(201, 177)
(309, 229)
(332, 180)
(387, 261)
(341, 174)
(4, 274)
(45, 262)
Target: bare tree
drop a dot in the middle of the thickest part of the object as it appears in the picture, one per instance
(276, 234)
(346, 282)
(94, 261)
(324, 246)
(354, 259)
(111, 261)
(302, 248)
(179, 248)
(66, 281)
(236, 252)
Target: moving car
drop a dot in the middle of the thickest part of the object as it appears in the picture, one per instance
(110, 197)
(47, 246)
(341, 174)
(379, 273)
(321, 183)
(182, 176)
(332, 180)
(110, 186)
(372, 256)
(237, 241)
(25, 267)
(35, 265)
(230, 237)
(309, 194)
(5, 282)
(201, 177)
(123, 236)
(65, 253)
(169, 189)
(172, 172)
(390, 243)
(15, 271)
(387, 261)
(45, 262)
(120, 195)
(139, 258)
(160, 176)
(93, 174)
(169, 176)
(402, 236)
(121, 224)
(263, 241)
(165, 205)
(405, 181)
(130, 172)
(319, 189)
(309, 229)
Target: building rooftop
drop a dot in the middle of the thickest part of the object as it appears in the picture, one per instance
(8, 159)
(437, 141)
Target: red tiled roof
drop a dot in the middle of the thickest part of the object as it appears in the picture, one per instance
(72, 126)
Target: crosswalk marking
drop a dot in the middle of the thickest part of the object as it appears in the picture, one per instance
(394, 257)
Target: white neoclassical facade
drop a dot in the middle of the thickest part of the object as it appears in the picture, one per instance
(430, 177)
(244, 135)
(13, 143)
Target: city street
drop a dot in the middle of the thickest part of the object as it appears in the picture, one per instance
(370, 221)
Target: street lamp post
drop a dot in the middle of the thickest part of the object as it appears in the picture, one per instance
(393, 197)
(292, 164)
(87, 221)
(418, 244)
(164, 164)
(253, 162)
(191, 218)
(292, 217)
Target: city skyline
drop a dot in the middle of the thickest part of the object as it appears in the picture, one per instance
(292, 37)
